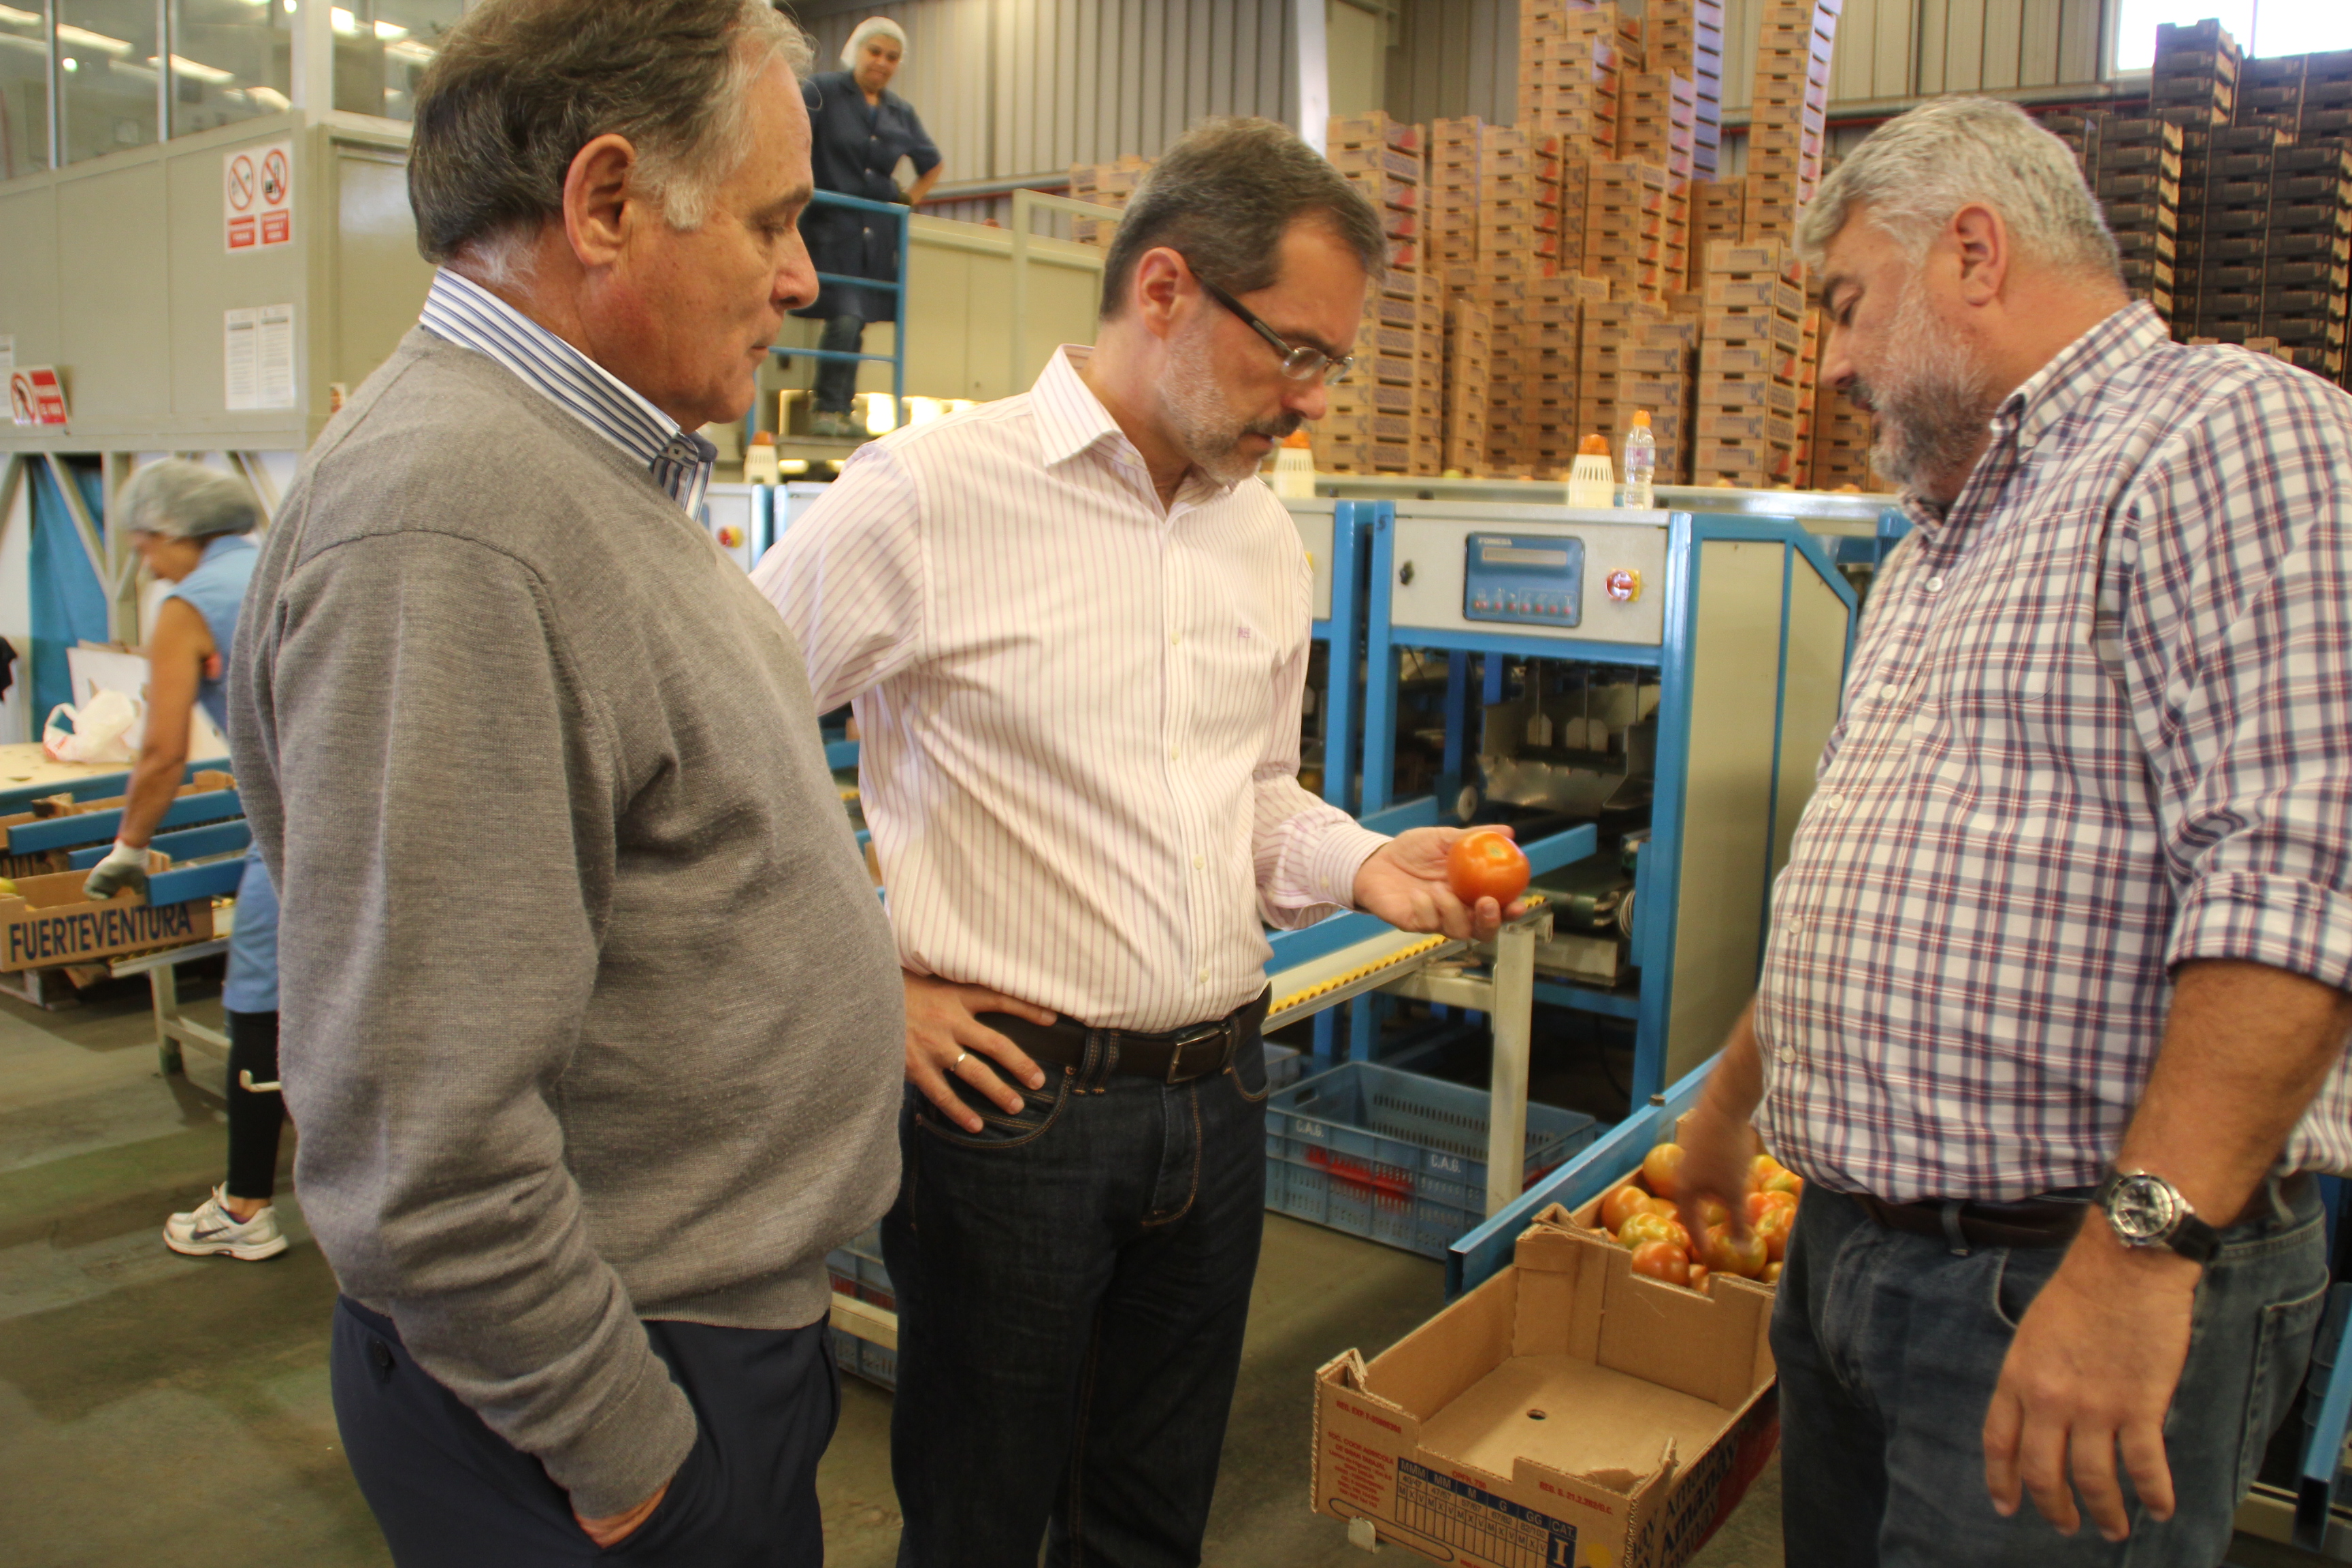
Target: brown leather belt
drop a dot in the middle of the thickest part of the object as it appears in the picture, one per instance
(2050, 1220)
(1179, 1056)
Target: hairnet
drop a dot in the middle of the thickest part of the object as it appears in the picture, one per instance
(867, 29)
(181, 499)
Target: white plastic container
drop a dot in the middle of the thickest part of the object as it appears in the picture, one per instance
(1641, 462)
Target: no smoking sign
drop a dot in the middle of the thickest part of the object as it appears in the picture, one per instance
(258, 196)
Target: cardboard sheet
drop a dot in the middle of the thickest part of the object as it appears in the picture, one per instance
(1604, 1425)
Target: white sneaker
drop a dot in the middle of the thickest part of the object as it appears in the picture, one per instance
(211, 1229)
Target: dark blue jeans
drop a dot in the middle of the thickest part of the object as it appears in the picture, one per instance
(836, 379)
(451, 1493)
(1073, 1284)
(1889, 1346)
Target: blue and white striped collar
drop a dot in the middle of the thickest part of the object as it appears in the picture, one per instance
(472, 317)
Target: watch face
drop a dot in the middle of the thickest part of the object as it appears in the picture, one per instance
(2142, 1209)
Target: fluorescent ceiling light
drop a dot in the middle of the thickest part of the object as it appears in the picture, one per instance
(344, 21)
(269, 97)
(182, 65)
(69, 34)
(389, 30)
(410, 50)
(21, 18)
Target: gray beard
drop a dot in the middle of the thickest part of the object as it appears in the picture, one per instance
(1197, 413)
(1932, 413)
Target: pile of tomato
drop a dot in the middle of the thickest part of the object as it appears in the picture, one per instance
(1641, 1215)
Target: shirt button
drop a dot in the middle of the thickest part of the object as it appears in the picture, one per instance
(1935, 584)
(1889, 692)
(1792, 926)
(1203, 976)
(1788, 1055)
(1199, 861)
(1831, 801)
(1175, 638)
(1175, 753)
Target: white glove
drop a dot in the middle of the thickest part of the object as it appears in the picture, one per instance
(124, 867)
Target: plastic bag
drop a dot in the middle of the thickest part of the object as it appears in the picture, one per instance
(102, 729)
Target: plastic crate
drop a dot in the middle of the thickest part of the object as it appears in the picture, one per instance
(1396, 1157)
(857, 1273)
(1284, 1065)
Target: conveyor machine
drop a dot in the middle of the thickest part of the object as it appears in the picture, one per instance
(1665, 677)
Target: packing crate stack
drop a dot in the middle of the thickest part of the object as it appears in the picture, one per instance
(1608, 368)
(1105, 184)
(1389, 417)
(1686, 37)
(1788, 125)
(1534, 410)
(1656, 114)
(2134, 167)
(1840, 444)
(1750, 367)
(2266, 208)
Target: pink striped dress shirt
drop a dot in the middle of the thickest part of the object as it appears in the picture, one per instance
(1080, 712)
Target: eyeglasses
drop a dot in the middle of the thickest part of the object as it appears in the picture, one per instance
(1300, 363)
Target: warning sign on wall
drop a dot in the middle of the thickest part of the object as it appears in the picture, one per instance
(258, 196)
(35, 397)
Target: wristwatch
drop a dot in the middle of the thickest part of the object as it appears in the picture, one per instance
(2146, 1210)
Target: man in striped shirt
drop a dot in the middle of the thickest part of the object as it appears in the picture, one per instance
(1076, 625)
(2052, 1015)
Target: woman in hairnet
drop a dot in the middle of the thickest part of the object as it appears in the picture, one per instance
(860, 131)
(189, 525)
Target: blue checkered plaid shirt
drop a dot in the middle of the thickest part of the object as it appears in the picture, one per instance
(2098, 723)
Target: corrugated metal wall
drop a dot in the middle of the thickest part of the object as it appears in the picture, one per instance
(1012, 88)
(1460, 56)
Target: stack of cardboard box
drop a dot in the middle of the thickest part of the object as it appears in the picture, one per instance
(1626, 229)
(1105, 184)
(1611, 329)
(1388, 416)
(1570, 61)
(1654, 127)
(1458, 155)
(1469, 364)
(1750, 366)
(1543, 417)
(1685, 36)
(1809, 379)
(1789, 121)
(1840, 444)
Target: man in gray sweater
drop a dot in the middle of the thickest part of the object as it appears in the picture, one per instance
(591, 1017)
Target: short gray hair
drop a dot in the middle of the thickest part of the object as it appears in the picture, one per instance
(180, 500)
(520, 86)
(1223, 195)
(1917, 170)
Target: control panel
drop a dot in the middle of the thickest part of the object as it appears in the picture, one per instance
(1529, 580)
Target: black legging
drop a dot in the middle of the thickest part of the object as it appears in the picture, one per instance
(836, 379)
(254, 1120)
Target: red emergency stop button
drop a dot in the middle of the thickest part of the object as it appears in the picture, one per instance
(729, 536)
(1624, 584)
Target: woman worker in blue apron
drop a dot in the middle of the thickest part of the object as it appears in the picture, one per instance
(860, 130)
(188, 525)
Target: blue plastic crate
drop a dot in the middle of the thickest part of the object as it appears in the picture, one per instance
(1396, 1157)
(857, 1272)
(1284, 1065)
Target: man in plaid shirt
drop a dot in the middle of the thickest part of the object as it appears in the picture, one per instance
(2053, 1010)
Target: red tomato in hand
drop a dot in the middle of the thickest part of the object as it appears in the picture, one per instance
(1485, 864)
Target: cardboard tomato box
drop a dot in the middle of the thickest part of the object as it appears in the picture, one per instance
(51, 920)
(1568, 1412)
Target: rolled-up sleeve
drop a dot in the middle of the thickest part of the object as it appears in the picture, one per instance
(2242, 647)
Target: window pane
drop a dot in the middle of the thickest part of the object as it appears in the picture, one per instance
(23, 90)
(231, 59)
(106, 67)
(2136, 24)
(2301, 27)
(381, 46)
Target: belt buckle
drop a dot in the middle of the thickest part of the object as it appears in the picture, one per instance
(1176, 1047)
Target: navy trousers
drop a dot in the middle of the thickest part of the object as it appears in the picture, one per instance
(451, 1493)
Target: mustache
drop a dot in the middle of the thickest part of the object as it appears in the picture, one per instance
(1275, 430)
(1858, 392)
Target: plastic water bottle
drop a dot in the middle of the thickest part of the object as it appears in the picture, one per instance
(1641, 461)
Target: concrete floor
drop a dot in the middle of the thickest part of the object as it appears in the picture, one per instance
(166, 1412)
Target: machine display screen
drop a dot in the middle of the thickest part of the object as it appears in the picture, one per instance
(1529, 582)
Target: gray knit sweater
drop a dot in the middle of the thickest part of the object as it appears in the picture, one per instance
(591, 1014)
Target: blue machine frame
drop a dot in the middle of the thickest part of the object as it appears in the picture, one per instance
(903, 216)
(1658, 891)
